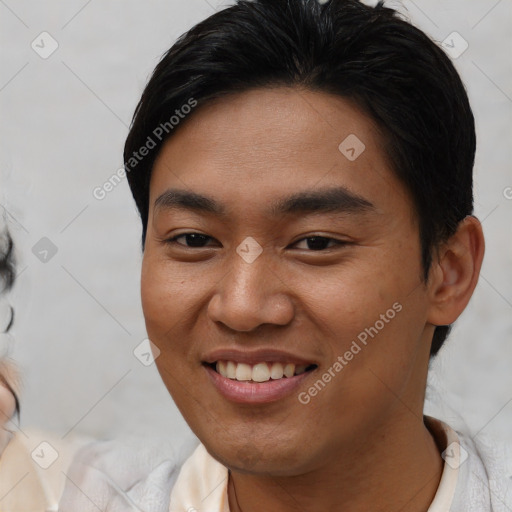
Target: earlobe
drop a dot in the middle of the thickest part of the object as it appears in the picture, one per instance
(455, 273)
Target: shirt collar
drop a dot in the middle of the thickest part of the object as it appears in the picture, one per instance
(202, 482)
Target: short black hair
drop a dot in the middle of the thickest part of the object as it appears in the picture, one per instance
(7, 265)
(7, 278)
(372, 56)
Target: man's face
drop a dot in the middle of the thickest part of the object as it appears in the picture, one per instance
(271, 281)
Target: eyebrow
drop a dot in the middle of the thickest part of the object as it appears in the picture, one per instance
(328, 200)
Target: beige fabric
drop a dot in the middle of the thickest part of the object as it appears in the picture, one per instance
(447, 439)
(201, 485)
(25, 484)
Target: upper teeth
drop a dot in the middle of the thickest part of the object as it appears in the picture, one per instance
(259, 372)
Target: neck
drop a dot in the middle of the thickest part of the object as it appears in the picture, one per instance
(400, 467)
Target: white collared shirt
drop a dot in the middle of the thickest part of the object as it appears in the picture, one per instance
(202, 482)
(477, 477)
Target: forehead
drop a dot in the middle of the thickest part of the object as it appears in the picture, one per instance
(282, 122)
(267, 143)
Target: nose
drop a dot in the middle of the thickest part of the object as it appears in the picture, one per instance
(251, 294)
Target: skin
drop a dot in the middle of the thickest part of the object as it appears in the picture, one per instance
(361, 443)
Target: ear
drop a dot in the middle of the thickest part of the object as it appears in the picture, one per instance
(455, 272)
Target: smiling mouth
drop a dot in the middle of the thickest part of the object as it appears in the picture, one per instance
(259, 372)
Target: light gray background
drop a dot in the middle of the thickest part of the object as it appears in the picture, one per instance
(63, 124)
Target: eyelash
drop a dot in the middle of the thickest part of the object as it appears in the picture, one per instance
(340, 243)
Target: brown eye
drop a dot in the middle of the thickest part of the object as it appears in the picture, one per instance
(192, 240)
(320, 243)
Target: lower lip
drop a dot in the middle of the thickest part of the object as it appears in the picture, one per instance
(255, 392)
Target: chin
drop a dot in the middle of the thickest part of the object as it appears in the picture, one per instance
(263, 457)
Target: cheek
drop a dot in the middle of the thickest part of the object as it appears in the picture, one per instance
(162, 300)
(352, 299)
(375, 314)
(172, 296)
(164, 289)
(154, 292)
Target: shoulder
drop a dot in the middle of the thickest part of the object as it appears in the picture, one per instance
(110, 475)
(486, 465)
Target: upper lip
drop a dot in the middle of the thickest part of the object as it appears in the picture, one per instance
(254, 356)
